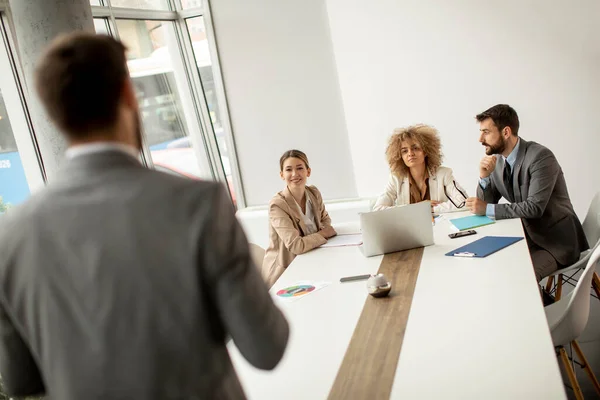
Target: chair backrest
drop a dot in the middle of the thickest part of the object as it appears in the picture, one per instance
(576, 314)
(591, 223)
(258, 254)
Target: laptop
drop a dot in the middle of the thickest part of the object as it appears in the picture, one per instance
(396, 228)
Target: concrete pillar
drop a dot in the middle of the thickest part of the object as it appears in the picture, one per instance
(36, 23)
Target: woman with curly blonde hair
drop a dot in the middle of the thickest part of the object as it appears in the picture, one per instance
(414, 155)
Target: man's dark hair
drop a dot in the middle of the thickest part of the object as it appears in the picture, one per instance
(503, 115)
(80, 79)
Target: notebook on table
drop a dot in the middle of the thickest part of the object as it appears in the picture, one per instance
(470, 222)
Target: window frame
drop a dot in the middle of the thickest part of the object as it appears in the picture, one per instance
(20, 119)
(205, 13)
(179, 18)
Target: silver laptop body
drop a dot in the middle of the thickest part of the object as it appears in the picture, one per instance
(396, 228)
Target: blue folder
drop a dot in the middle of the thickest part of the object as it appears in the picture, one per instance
(472, 221)
(484, 247)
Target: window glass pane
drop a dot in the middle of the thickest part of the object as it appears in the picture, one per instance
(101, 25)
(197, 31)
(13, 183)
(191, 3)
(170, 126)
(142, 4)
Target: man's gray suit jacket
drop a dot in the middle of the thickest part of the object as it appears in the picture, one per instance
(120, 282)
(541, 200)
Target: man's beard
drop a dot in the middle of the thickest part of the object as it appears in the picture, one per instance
(498, 148)
(138, 132)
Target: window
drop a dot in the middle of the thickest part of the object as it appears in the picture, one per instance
(197, 32)
(19, 165)
(7, 140)
(191, 3)
(101, 25)
(142, 4)
(182, 108)
(13, 183)
(166, 107)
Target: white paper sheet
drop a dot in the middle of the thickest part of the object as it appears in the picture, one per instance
(354, 239)
(298, 290)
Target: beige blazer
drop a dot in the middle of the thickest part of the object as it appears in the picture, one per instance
(442, 188)
(287, 231)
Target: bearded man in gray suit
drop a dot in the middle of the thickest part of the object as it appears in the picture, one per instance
(530, 178)
(117, 281)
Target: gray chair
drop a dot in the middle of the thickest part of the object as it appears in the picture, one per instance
(567, 319)
(591, 227)
(258, 254)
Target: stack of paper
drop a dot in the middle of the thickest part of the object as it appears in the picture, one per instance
(344, 240)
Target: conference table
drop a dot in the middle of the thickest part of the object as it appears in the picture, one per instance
(451, 328)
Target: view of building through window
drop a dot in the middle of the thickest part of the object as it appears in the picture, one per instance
(166, 107)
(150, 62)
(13, 183)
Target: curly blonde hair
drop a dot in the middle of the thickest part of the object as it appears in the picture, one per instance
(426, 136)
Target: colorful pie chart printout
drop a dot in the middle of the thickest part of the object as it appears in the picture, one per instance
(299, 289)
(293, 291)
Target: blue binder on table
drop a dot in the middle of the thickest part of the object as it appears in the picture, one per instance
(484, 247)
(470, 222)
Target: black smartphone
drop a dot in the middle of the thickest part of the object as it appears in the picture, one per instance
(355, 278)
(461, 234)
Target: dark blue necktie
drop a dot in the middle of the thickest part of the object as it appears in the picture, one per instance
(508, 182)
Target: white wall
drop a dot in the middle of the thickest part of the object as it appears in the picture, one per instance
(441, 62)
(283, 93)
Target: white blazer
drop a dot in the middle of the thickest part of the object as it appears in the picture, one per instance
(442, 188)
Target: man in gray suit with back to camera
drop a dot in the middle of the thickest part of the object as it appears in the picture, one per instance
(117, 281)
(527, 175)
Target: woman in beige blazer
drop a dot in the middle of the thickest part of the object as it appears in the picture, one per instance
(415, 157)
(298, 221)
